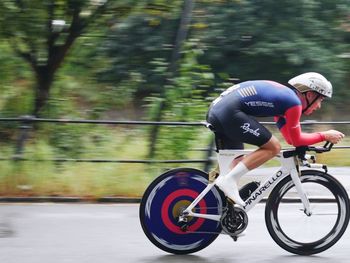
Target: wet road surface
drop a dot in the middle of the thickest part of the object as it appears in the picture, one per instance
(111, 233)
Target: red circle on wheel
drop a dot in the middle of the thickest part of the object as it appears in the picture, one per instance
(165, 208)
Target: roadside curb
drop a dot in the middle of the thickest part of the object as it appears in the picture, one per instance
(104, 200)
(49, 199)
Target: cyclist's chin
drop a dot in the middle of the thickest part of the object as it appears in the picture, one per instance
(309, 112)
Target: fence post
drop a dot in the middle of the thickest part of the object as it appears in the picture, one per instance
(25, 126)
(208, 155)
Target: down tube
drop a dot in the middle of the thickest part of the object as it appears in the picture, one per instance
(264, 189)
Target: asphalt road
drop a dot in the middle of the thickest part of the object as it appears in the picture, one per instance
(35, 233)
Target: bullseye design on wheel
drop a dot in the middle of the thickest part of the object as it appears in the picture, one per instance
(164, 201)
(170, 203)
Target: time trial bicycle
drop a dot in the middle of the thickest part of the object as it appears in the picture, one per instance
(307, 210)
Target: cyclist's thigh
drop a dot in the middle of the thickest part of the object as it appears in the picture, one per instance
(244, 128)
(224, 142)
(221, 140)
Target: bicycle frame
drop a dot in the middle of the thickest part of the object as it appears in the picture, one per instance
(225, 159)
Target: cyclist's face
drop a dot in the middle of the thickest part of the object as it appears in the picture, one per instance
(311, 96)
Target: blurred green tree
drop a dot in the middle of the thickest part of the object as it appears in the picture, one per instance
(240, 40)
(43, 32)
(267, 39)
(152, 50)
(187, 90)
(146, 40)
(243, 39)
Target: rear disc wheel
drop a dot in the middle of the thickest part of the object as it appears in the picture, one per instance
(166, 198)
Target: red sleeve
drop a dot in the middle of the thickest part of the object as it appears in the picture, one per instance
(292, 133)
(281, 121)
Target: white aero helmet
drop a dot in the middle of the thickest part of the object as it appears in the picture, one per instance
(312, 81)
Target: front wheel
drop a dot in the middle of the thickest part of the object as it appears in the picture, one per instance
(303, 234)
(165, 199)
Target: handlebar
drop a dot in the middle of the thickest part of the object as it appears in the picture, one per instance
(300, 151)
(325, 148)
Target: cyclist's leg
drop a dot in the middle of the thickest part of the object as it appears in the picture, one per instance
(263, 154)
(249, 130)
(242, 127)
(222, 142)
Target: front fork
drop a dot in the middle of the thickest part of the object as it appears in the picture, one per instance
(295, 174)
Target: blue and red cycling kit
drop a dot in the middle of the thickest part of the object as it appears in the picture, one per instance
(231, 114)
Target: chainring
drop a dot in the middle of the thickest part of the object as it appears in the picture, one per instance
(234, 220)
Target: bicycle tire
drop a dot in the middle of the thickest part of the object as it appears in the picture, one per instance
(337, 202)
(161, 205)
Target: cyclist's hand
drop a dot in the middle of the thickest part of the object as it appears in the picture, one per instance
(333, 136)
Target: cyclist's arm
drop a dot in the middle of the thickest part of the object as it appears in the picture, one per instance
(281, 122)
(291, 129)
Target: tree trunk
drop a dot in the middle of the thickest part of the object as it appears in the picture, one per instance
(44, 78)
(181, 36)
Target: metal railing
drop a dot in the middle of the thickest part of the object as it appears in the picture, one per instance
(26, 123)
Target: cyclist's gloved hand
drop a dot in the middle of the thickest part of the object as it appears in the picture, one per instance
(333, 136)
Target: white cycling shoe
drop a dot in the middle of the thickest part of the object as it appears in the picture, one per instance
(228, 185)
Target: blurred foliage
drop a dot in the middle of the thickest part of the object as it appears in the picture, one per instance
(119, 53)
(187, 90)
(242, 39)
(118, 66)
(277, 39)
(43, 32)
(136, 44)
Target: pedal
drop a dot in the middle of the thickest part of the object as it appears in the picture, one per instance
(234, 238)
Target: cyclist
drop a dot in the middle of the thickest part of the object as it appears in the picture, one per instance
(232, 118)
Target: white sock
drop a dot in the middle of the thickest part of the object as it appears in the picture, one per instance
(237, 172)
(229, 183)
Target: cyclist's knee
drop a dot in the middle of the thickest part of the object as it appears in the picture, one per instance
(273, 145)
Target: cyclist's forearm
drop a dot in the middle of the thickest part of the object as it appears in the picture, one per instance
(299, 138)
